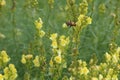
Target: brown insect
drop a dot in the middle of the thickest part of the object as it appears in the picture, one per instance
(71, 23)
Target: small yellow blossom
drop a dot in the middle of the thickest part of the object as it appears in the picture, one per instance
(54, 44)
(88, 20)
(100, 77)
(64, 25)
(36, 61)
(108, 57)
(53, 36)
(114, 77)
(59, 52)
(115, 58)
(110, 71)
(118, 50)
(58, 59)
(84, 71)
(1, 77)
(83, 20)
(29, 56)
(38, 23)
(3, 2)
(64, 41)
(4, 56)
(94, 78)
(41, 33)
(51, 63)
(23, 60)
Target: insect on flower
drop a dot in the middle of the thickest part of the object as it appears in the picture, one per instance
(71, 23)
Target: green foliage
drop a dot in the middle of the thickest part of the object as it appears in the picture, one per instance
(18, 33)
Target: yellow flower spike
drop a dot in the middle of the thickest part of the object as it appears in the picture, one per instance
(23, 60)
(84, 71)
(1, 77)
(54, 44)
(36, 61)
(83, 7)
(38, 23)
(53, 36)
(58, 59)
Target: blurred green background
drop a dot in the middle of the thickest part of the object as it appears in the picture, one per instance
(17, 27)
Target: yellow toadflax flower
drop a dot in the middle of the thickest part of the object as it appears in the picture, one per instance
(1, 77)
(84, 71)
(23, 60)
(83, 20)
(3, 2)
(38, 23)
(51, 63)
(5, 57)
(53, 36)
(64, 41)
(58, 59)
(29, 56)
(108, 57)
(94, 78)
(36, 61)
(54, 44)
(41, 33)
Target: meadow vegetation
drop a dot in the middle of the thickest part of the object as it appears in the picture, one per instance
(59, 39)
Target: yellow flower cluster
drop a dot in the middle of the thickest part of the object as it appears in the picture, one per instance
(83, 21)
(2, 2)
(64, 41)
(26, 58)
(4, 58)
(108, 70)
(10, 73)
(113, 58)
(39, 24)
(58, 44)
